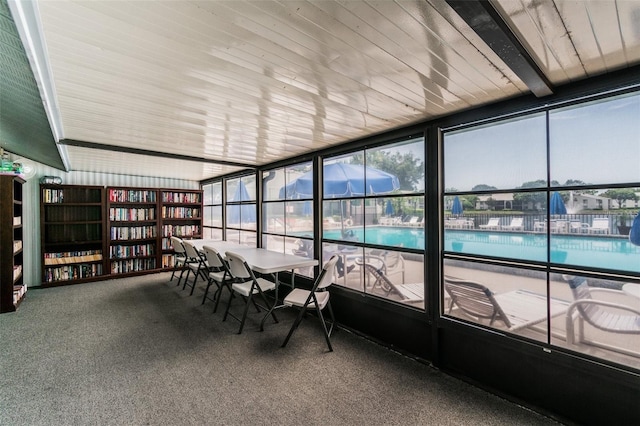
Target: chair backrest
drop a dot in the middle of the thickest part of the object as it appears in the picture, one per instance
(378, 274)
(326, 275)
(517, 221)
(214, 259)
(580, 291)
(238, 267)
(177, 245)
(600, 223)
(494, 221)
(393, 259)
(475, 299)
(191, 250)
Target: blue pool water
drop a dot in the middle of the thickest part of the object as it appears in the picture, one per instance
(384, 235)
(579, 250)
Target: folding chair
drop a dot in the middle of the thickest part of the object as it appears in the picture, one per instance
(195, 263)
(316, 298)
(218, 275)
(246, 285)
(180, 257)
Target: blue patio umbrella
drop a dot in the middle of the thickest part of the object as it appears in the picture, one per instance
(343, 180)
(241, 213)
(556, 204)
(456, 207)
(634, 234)
(388, 209)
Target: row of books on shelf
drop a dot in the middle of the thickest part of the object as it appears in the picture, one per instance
(180, 230)
(132, 196)
(66, 257)
(181, 212)
(168, 261)
(53, 195)
(17, 221)
(72, 272)
(116, 252)
(17, 271)
(133, 232)
(18, 293)
(17, 246)
(131, 214)
(181, 197)
(132, 265)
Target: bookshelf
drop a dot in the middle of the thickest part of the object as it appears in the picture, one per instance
(132, 230)
(12, 286)
(72, 233)
(91, 232)
(181, 216)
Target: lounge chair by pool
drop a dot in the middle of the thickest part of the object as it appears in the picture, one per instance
(494, 223)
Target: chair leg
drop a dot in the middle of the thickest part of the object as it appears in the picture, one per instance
(195, 278)
(206, 291)
(186, 279)
(218, 296)
(181, 273)
(226, 311)
(294, 326)
(244, 314)
(324, 328)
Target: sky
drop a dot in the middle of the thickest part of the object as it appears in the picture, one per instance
(598, 143)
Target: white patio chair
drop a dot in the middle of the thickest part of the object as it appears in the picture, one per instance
(248, 286)
(578, 227)
(180, 258)
(218, 274)
(515, 225)
(493, 223)
(604, 315)
(317, 298)
(195, 263)
(599, 225)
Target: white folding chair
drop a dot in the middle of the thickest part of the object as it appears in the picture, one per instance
(218, 275)
(180, 258)
(317, 298)
(195, 263)
(246, 285)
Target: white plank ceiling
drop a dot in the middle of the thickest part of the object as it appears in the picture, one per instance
(252, 82)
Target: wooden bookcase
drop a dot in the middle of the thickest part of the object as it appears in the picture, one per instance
(12, 287)
(72, 232)
(133, 230)
(91, 232)
(181, 216)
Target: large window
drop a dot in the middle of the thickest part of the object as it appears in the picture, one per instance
(240, 210)
(536, 216)
(212, 203)
(288, 211)
(373, 210)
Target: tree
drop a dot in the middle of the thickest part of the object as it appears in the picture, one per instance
(483, 187)
(469, 202)
(621, 195)
(408, 169)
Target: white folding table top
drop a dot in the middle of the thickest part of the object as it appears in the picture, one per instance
(270, 262)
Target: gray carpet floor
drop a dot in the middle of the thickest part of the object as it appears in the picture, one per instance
(140, 351)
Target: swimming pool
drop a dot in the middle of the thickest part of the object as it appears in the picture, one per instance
(384, 235)
(579, 250)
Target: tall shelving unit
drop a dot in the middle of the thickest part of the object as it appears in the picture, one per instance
(72, 226)
(181, 216)
(12, 287)
(91, 232)
(133, 230)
